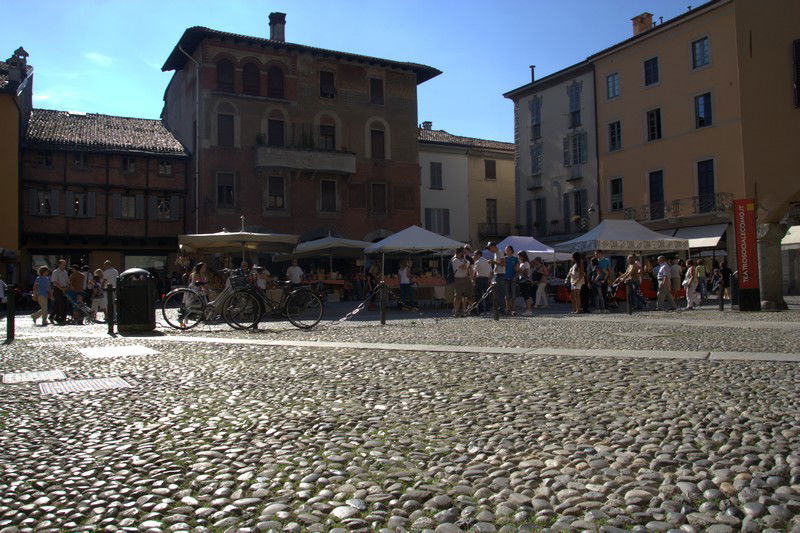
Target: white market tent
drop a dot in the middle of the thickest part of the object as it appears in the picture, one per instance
(533, 247)
(791, 241)
(238, 241)
(699, 236)
(623, 236)
(413, 240)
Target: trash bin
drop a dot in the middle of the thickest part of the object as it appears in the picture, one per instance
(136, 301)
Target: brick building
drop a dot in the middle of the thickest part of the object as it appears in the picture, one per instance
(297, 139)
(99, 187)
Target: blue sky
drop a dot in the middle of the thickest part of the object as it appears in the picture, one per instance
(105, 56)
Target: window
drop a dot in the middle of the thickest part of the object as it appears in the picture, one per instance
(327, 195)
(540, 223)
(376, 91)
(327, 88)
(536, 117)
(225, 130)
(276, 193)
(575, 149)
(275, 132)
(700, 53)
(614, 136)
(702, 110)
(653, 124)
(162, 208)
(796, 76)
(705, 186)
(379, 202)
(490, 169)
(45, 206)
(77, 204)
(225, 75)
(656, 186)
(43, 203)
(128, 165)
(81, 160)
(491, 211)
(651, 71)
(612, 85)
(436, 175)
(275, 82)
(225, 190)
(164, 167)
(128, 206)
(437, 220)
(616, 194)
(574, 94)
(44, 159)
(250, 79)
(378, 144)
(327, 137)
(536, 159)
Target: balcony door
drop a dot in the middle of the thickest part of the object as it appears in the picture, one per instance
(656, 183)
(705, 186)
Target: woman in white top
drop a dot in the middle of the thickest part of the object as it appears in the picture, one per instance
(577, 279)
(524, 281)
(539, 274)
(690, 283)
(262, 277)
(406, 287)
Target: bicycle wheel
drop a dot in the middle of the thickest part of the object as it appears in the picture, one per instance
(242, 310)
(303, 309)
(183, 309)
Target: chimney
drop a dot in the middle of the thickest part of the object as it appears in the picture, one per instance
(533, 73)
(277, 27)
(19, 64)
(427, 125)
(642, 23)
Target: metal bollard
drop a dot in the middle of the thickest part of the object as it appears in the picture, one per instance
(382, 302)
(110, 309)
(495, 303)
(10, 309)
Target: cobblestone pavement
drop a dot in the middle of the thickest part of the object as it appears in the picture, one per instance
(215, 437)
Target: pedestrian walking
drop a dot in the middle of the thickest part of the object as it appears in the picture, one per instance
(601, 280)
(110, 274)
(498, 262)
(539, 275)
(60, 283)
(481, 275)
(664, 277)
(42, 292)
(512, 288)
(461, 281)
(725, 273)
(576, 278)
(676, 275)
(524, 281)
(406, 282)
(633, 279)
(690, 283)
(702, 278)
(295, 274)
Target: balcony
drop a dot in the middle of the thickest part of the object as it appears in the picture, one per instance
(575, 173)
(711, 204)
(494, 229)
(306, 159)
(534, 182)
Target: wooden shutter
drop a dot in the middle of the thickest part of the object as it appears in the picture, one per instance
(69, 204)
(116, 205)
(54, 202)
(567, 215)
(33, 202)
(566, 151)
(428, 218)
(529, 217)
(91, 204)
(446, 221)
(584, 146)
(140, 207)
(584, 208)
(174, 207)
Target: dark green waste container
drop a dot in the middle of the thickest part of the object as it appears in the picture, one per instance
(136, 301)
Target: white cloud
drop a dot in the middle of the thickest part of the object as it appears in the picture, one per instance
(99, 59)
(42, 97)
(151, 64)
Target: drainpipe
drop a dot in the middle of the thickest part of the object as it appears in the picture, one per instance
(196, 139)
(599, 202)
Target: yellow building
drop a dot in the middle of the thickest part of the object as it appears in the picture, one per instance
(492, 204)
(697, 111)
(16, 89)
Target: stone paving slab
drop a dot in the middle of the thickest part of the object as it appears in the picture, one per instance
(83, 385)
(640, 354)
(755, 356)
(23, 377)
(104, 352)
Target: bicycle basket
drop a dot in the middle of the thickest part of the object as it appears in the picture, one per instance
(237, 280)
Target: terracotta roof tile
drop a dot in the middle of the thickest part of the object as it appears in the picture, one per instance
(100, 133)
(442, 137)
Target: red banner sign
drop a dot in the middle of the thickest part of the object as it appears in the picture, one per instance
(744, 224)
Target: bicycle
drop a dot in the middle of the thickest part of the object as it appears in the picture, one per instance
(301, 306)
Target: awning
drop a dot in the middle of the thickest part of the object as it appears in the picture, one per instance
(702, 236)
(791, 241)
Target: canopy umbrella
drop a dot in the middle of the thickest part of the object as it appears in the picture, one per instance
(623, 236)
(244, 241)
(533, 247)
(327, 246)
(413, 240)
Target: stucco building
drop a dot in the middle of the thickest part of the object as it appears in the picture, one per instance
(556, 158)
(16, 90)
(467, 186)
(699, 110)
(296, 139)
(97, 187)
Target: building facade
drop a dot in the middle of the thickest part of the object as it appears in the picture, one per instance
(556, 157)
(697, 111)
(295, 139)
(98, 187)
(467, 186)
(16, 90)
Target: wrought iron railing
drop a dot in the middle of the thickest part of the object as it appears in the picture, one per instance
(494, 229)
(695, 205)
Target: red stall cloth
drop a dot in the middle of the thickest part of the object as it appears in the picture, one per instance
(562, 294)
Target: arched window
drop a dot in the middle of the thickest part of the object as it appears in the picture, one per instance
(250, 79)
(275, 82)
(225, 75)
